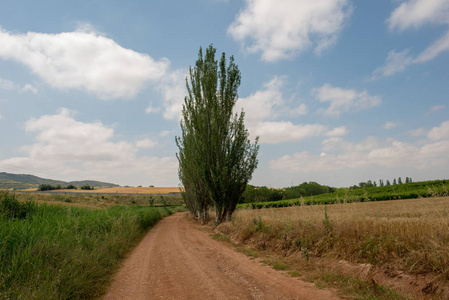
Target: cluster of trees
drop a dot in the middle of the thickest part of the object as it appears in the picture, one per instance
(216, 157)
(262, 193)
(370, 183)
(49, 187)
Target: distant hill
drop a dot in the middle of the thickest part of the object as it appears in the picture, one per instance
(25, 181)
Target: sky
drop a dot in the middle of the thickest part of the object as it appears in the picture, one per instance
(338, 91)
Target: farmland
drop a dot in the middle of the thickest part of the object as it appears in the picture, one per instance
(345, 195)
(95, 199)
(402, 238)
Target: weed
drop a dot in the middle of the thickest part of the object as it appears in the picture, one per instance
(221, 237)
(275, 265)
(249, 252)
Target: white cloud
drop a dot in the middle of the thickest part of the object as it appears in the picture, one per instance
(390, 125)
(434, 50)
(278, 132)
(29, 88)
(6, 84)
(418, 132)
(344, 100)
(437, 108)
(280, 29)
(389, 153)
(145, 144)
(416, 13)
(71, 149)
(164, 133)
(83, 60)
(338, 131)
(173, 89)
(396, 62)
(301, 110)
(264, 104)
(263, 107)
(439, 133)
(150, 109)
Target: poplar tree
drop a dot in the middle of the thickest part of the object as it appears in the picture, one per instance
(216, 157)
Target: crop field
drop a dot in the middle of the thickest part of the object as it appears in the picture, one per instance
(404, 236)
(414, 190)
(62, 252)
(97, 200)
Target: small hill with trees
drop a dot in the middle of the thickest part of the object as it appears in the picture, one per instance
(26, 181)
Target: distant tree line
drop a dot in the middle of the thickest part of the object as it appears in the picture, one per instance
(370, 183)
(49, 187)
(263, 193)
(254, 194)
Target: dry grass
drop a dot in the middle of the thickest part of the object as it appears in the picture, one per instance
(122, 190)
(98, 200)
(135, 190)
(409, 236)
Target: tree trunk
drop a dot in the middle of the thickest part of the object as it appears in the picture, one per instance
(229, 216)
(219, 216)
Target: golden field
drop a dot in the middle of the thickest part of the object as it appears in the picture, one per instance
(401, 236)
(122, 190)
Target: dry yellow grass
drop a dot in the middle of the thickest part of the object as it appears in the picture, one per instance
(410, 236)
(122, 190)
(130, 190)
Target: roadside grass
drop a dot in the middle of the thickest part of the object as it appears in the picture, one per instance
(60, 252)
(104, 200)
(356, 287)
(409, 236)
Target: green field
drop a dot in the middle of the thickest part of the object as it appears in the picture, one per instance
(61, 252)
(345, 195)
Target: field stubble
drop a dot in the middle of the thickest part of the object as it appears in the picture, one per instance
(98, 200)
(404, 242)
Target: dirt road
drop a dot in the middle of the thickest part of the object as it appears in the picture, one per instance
(175, 260)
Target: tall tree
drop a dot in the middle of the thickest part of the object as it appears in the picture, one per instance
(216, 157)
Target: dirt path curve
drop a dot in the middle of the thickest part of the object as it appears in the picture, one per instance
(177, 261)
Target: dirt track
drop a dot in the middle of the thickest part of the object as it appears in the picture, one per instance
(177, 261)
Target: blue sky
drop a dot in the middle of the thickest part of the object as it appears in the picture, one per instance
(338, 91)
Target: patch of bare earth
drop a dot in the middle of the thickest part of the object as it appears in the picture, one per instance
(176, 260)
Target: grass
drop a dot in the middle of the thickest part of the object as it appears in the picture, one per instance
(407, 235)
(60, 252)
(355, 287)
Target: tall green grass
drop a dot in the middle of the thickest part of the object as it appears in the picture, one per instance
(57, 252)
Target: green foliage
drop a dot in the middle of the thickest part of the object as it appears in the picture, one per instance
(87, 187)
(263, 194)
(380, 193)
(49, 187)
(216, 157)
(56, 252)
(13, 209)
